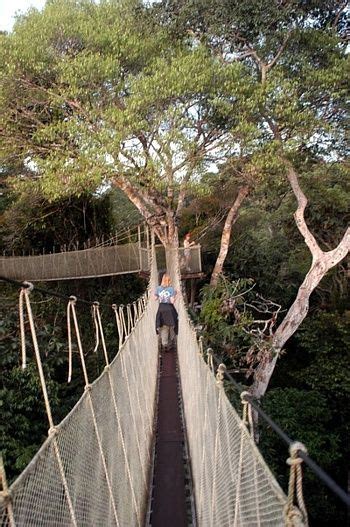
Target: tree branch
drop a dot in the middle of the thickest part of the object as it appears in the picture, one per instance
(279, 52)
(299, 214)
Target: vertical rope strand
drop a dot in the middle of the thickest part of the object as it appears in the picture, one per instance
(97, 333)
(93, 414)
(52, 429)
(100, 328)
(129, 317)
(5, 494)
(119, 325)
(122, 318)
(22, 328)
(69, 331)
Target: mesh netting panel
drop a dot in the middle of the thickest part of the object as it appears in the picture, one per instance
(100, 454)
(88, 263)
(232, 484)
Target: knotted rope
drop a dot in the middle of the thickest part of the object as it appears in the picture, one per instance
(296, 516)
(220, 375)
(247, 416)
(210, 360)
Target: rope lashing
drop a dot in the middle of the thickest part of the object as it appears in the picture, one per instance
(26, 286)
(220, 375)
(119, 324)
(95, 307)
(247, 416)
(122, 319)
(210, 360)
(136, 312)
(200, 345)
(296, 515)
(102, 336)
(72, 302)
(129, 318)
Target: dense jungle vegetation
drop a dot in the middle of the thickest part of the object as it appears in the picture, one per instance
(120, 112)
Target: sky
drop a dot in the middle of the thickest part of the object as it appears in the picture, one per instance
(8, 8)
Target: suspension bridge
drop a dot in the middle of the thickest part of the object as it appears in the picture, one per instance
(153, 441)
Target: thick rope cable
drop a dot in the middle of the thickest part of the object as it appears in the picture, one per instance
(5, 495)
(122, 318)
(295, 489)
(97, 333)
(22, 328)
(119, 325)
(52, 428)
(72, 300)
(129, 318)
(136, 312)
(100, 330)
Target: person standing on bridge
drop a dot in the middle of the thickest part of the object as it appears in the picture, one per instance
(187, 251)
(167, 318)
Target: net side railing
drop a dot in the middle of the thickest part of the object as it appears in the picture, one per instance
(87, 263)
(232, 485)
(93, 469)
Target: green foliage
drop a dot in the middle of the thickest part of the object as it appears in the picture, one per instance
(328, 368)
(24, 425)
(174, 96)
(306, 416)
(31, 223)
(228, 318)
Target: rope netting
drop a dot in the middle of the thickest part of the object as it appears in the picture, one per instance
(87, 263)
(93, 468)
(232, 484)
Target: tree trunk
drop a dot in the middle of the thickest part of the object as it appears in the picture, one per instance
(321, 263)
(156, 214)
(226, 234)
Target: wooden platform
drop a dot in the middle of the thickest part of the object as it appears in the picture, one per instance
(184, 276)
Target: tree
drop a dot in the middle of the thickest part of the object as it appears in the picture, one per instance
(295, 54)
(226, 233)
(103, 96)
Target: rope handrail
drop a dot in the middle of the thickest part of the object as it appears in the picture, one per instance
(59, 486)
(317, 470)
(49, 292)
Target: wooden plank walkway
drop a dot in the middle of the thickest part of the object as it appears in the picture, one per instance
(169, 499)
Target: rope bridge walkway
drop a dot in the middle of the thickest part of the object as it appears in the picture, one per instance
(112, 258)
(95, 467)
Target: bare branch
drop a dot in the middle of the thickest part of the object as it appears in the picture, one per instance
(299, 214)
